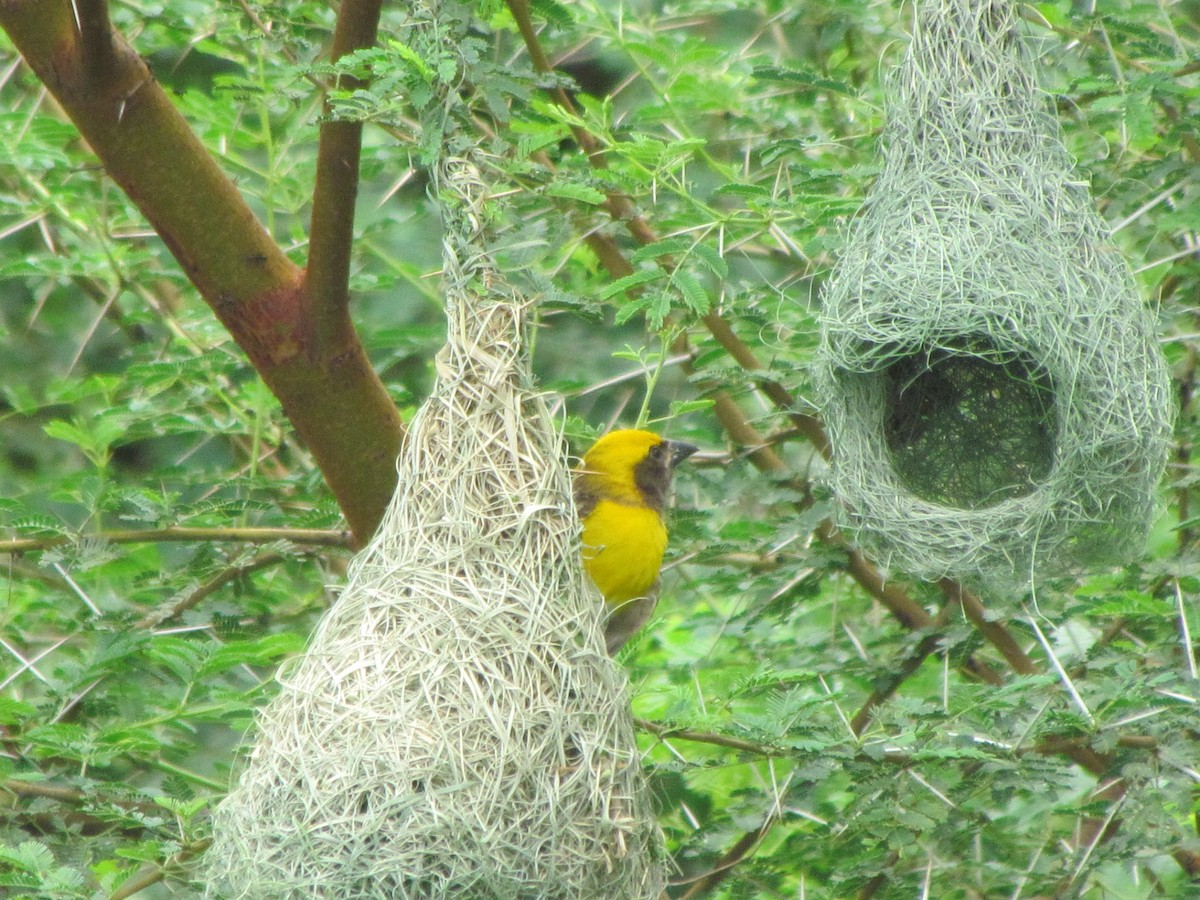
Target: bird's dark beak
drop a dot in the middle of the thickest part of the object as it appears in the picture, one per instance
(680, 451)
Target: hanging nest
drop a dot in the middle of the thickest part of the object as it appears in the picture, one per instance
(993, 390)
(455, 728)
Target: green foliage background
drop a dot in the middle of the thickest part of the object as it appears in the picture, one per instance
(132, 661)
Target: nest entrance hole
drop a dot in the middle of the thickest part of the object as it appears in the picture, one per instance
(969, 426)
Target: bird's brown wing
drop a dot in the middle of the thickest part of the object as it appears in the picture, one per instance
(585, 499)
(628, 618)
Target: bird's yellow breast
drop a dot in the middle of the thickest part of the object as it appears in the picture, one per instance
(623, 547)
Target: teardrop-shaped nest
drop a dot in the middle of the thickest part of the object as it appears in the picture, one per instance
(995, 396)
(455, 729)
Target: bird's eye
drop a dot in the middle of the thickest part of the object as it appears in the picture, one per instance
(656, 451)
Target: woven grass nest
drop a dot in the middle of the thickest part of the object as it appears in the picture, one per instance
(455, 728)
(993, 388)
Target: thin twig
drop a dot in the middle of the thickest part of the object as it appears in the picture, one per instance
(150, 875)
(740, 851)
(74, 820)
(1185, 633)
(156, 618)
(871, 888)
(898, 675)
(993, 631)
(662, 732)
(301, 537)
(1183, 447)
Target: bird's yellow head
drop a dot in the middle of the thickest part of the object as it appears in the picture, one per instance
(632, 466)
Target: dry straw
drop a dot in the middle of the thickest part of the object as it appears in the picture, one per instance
(455, 728)
(993, 388)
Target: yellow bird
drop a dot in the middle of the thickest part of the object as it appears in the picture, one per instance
(621, 493)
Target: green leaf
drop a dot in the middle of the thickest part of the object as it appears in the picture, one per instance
(667, 247)
(804, 79)
(74, 434)
(574, 191)
(71, 741)
(410, 56)
(683, 407)
(628, 282)
(12, 712)
(712, 260)
(693, 293)
(737, 189)
(181, 657)
(264, 651)
(553, 12)
(658, 307)
(626, 311)
(120, 740)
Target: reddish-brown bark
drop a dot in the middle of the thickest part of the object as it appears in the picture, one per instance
(298, 336)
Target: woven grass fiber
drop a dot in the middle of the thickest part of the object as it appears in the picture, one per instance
(995, 395)
(455, 728)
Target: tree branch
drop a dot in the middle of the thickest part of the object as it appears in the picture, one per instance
(896, 677)
(75, 818)
(1183, 448)
(994, 631)
(148, 149)
(95, 34)
(331, 229)
(808, 425)
(304, 537)
(662, 732)
(206, 590)
(871, 888)
(741, 850)
(152, 874)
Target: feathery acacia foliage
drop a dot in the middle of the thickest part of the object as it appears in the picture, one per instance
(199, 413)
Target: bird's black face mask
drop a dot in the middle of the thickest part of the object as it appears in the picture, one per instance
(653, 474)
